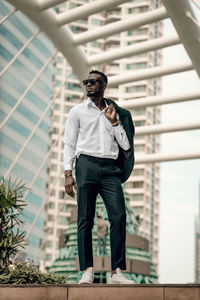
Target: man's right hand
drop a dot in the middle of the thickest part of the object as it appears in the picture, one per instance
(70, 185)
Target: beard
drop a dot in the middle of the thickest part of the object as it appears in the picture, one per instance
(93, 95)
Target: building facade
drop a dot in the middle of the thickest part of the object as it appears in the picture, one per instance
(143, 185)
(26, 76)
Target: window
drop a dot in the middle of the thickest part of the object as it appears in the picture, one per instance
(138, 210)
(54, 155)
(52, 180)
(48, 256)
(139, 123)
(63, 207)
(135, 89)
(130, 43)
(73, 86)
(62, 220)
(138, 172)
(50, 218)
(59, 71)
(49, 244)
(55, 130)
(52, 193)
(137, 197)
(58, 83)
(51, 205)
(61, 195)
(96, 22)
(139, 148)
(62, 181)
(59, 59)
(139, 111)
(138, 184)
(57, 106)
(139, 65)
(56, 118)
(53, 167)
(96, 44)
(130, 32)
(77, 29)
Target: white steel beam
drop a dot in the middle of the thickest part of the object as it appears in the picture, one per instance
(159, 100)
(197, 5)
(45, 4)
(139, 48)
(123, 25)
(187, 26)
(62, 37)
(156, 129)
(86, 10)
(153, 158)
(7, 16)
(132, 76)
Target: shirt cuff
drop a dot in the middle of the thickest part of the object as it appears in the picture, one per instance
(67, 167)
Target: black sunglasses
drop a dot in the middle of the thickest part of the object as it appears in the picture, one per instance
(91, 81)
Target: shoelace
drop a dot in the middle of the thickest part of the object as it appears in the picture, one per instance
(86, 274)
(120, 274)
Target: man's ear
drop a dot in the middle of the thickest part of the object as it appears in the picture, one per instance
(104, 86)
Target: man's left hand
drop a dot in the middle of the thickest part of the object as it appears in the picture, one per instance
(111, 113)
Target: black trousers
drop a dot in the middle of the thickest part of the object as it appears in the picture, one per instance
(93, 176)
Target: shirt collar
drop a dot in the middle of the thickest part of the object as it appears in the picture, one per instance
(89, 102)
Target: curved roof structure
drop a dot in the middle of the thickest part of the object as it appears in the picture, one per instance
(55, 25)
(42, 12)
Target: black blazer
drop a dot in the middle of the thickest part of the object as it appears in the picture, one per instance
(125, 159)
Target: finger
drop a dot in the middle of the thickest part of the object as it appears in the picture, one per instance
(72, 194)
(113, 114)
(108, 107)
(69, 189)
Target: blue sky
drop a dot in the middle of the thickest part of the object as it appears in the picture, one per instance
(180, 179)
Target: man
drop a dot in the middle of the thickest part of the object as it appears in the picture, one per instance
(99, 134)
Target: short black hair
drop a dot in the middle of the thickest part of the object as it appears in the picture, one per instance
(105, 79)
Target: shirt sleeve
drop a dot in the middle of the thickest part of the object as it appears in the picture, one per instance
(70, 139)
(121, 137)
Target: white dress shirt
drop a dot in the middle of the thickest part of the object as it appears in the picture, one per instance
(88, 131)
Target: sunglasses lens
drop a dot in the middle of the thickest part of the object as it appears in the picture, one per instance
(92, 81)
(85, 82)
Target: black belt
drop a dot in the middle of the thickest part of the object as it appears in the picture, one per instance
(97, 159)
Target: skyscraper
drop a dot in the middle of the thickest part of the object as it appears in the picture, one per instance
(26, 76)
(143, 185)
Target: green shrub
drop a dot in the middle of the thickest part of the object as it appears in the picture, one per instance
(11, 220)
(12, 239)
(26, 273)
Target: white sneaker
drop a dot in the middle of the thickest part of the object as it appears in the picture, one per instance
(119, 278)
(87, 277)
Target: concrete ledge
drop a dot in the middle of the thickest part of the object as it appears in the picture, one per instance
(101, 292)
